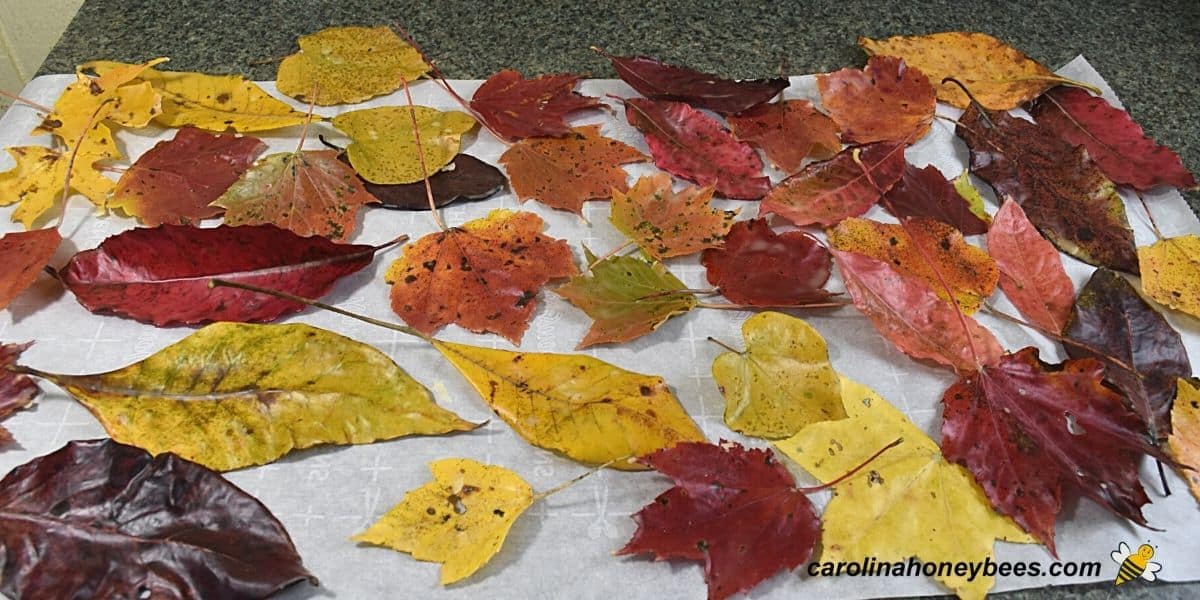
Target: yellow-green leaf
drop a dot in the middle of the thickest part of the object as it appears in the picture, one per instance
(383, 148)
(782, 382)
(1171, 272)
(908, 502)
(459, 519)
(968, 192)
(343, 65)
(585, 408)
(233, 395)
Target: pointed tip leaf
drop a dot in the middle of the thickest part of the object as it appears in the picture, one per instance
(824, 193)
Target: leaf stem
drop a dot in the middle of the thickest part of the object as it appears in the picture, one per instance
(400, 239)
(611, 253)
(828, 304)
(1066, 341)
(416, 129)
(724, 345)
(1153, 224)
(307, 120)
(983, 111)
(26, 102)
(566, 484)
(66, 192)
(665, 293)
(824, 486)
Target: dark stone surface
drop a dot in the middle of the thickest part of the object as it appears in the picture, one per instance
(1149, 51)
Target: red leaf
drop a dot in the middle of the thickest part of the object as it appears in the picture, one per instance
(1024, 428)
(1031, 270)
(886, 101)
(694, 146)
(518, 108)
(737, 510)
(910, 315)
(162, 275)
(788, 132)
(824, 193)
(660, 81)
(1113, 139)
(24, 254)
(17, 390)
(176, 180)
(758, 267)
(926, 193)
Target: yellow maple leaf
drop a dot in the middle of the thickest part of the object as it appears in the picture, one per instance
(383, 148)
(1171, 272)
(348, 64)
(1184, 443)
(37, 180)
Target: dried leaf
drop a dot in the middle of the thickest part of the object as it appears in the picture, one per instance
(1031, 270)
(666, 223)
(968, 192)
(759, 267)
(344, 65)
(383, 147)
(1170, 271)
(887, 101)
(926, 193)
(782, 382)
(465, 179)
(565, 172)
(787, 131)
(520, 108)
(24, 254)
(658, 80)
(17, 390)
(1184, 442)
(824, 193)
(36, 182)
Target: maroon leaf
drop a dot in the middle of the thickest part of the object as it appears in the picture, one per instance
(17, 390)
(465, 179)
(926, 193)
(658, 80)
(824, 193)
(99, 519)
(176, 180)
(1024, 428)
(758, 267)
(694, 146)
(1112, 138)
(737, 510)
(162, 275)
(518, 108)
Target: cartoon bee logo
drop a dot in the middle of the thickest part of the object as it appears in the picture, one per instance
(1134, 564)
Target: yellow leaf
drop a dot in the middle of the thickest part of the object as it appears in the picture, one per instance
(1171, 272)
(1184, 443)
(383, 149)
(459, 519)
(968, 192)
(36, 182)
(212, 102)
(908, 502)
(233, 395)
(348, 64)
(583, 407)
(782, 382)
(132, 106)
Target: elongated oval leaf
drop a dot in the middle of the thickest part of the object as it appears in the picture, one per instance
(824, 193)
(465, 179)
(926, 192)
(655, 79)
(1031, 270)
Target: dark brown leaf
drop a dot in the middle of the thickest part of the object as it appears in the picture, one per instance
(465, 179)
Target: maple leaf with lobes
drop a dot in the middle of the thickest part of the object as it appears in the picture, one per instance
(520, 108)
(886, 101)
(787, 131)
(666, 223)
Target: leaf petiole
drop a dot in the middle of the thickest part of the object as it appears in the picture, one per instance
(869, 460)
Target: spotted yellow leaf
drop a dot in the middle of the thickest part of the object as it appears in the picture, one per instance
(1184, 443)
(1171, 272)
(383, 148)
(343, 65)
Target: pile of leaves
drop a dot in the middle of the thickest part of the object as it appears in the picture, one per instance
(1017, 433)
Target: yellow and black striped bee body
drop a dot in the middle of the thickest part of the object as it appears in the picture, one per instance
(1135, 564)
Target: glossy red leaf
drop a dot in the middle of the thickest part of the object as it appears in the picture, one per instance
(99, 519)
(926, 192)
(1031, 269)
(17, 390)
(759, 267)
(824, 193)
(518, 108)
(788, 132)
(465, 179)
(909, 314)
(661, 81)
(176, 181)
(23, 255)
(885, 101)
(694, 146)
(1113, 139)
(162, 275)
(737, 510)
(1025, 429)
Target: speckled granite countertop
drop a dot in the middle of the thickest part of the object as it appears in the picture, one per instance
(1148, 51)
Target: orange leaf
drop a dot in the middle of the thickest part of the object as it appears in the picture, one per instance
(1031, 269)
(886, 101)
(665, 223)
(23, 254)
(846, 185)
(788, 132)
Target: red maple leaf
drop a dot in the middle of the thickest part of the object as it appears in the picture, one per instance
(519, 108)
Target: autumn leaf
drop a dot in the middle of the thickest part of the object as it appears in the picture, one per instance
(1031, 270)
(210, 102)
(520, 108)
(161, 275)
(483, 276)
(911, 502)
(1025, 429)
(736, 510)
(759, 267)
(926, 193)
(101, 519)
(459, 519)
(233, 395)
(626, 298)
(782, 382)
(887, 101)
(175, 181)
(24, 254)
(383, 147)
(1184, 442)
(1069, 200)
(565, 172)
(1142, 354)
(824, 193)
(1170, 271)
(345, 65)
(666, 223)
(1114, 141)
(465, 179)
(17, 390)
(576, 405)
(907, 312)
(787, 131)
(694, 146)
(116, 94)
(654, 79)
(999, 76)
(36, 182)
(967, 191)
(308, 192)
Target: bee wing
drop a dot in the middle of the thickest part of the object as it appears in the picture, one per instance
(1121, 553)
(1151, 569)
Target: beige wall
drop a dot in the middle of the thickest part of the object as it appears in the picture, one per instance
(28, 29)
